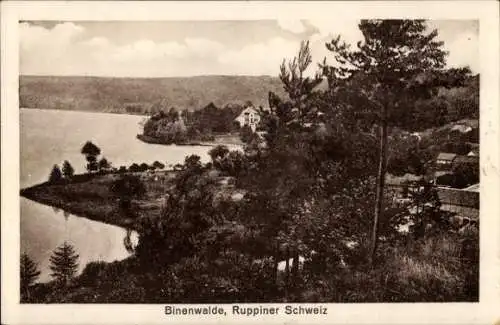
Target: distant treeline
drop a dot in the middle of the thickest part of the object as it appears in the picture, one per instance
(443, 105)
(142, 95)
(172, 126)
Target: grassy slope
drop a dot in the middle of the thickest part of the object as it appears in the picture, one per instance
(114, 94)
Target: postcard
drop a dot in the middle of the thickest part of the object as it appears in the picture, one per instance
(247, 162)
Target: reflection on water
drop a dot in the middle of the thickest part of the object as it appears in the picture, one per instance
(129, 241)
(44, 228)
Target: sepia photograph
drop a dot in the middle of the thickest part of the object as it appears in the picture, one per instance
(250, 161)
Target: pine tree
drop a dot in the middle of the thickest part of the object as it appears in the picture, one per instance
(68, 170)
(29, 274)
(64, 263)
(55, 175)
(397, 63)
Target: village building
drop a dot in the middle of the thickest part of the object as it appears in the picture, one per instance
(471, 160)
(463, 202)
(445, 160)
(250, 116)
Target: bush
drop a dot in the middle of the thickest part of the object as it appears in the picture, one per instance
(128, 186)
(134, 168)
(246, 134)
(433, 269)
(143, 167)
(158, 165)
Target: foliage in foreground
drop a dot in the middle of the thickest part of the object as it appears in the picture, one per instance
(438, 268)
(29, 275)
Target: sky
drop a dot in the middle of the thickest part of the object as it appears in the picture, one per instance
(190, 48)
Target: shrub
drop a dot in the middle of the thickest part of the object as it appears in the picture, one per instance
(128, 186)
(143, 167)
(134, 168)
(158, 165)
(246, 134)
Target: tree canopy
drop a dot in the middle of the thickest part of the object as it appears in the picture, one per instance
(68, 170)
(397, 63)
(90, 149)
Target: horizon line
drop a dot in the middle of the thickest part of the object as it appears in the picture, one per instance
(145, 77)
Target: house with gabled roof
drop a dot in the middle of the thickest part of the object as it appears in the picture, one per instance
(445, 159)
(250, 116)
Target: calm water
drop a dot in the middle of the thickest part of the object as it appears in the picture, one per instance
(49, 137)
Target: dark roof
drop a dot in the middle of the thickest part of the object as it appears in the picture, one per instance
(473, 145)
(458, 197)
(466, 160)
(446, 156)
(473, 123)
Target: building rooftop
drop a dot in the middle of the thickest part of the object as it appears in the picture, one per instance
(474, 152)
(446, 156)
(466, 160)
(458, 197)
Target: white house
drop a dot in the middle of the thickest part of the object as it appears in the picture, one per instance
(249, 116)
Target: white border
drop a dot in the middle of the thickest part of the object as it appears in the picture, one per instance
(485, 312)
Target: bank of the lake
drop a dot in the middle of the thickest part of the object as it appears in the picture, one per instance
(229, 140)
(90, 196)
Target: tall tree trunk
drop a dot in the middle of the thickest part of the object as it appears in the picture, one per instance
(295, 265)
(276, 261)
(287, 266)
(382, 168)
(287, 272)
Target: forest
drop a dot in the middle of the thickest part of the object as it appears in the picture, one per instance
(171, 126)
(142, 95)
(314, 220)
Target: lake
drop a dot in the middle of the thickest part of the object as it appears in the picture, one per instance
(49, 137)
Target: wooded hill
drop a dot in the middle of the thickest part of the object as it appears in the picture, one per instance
(149, 95)
(142, 95)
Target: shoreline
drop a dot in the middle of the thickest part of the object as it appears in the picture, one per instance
(77, 211)
(83, 111)
(95, 209)
(151, 140)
